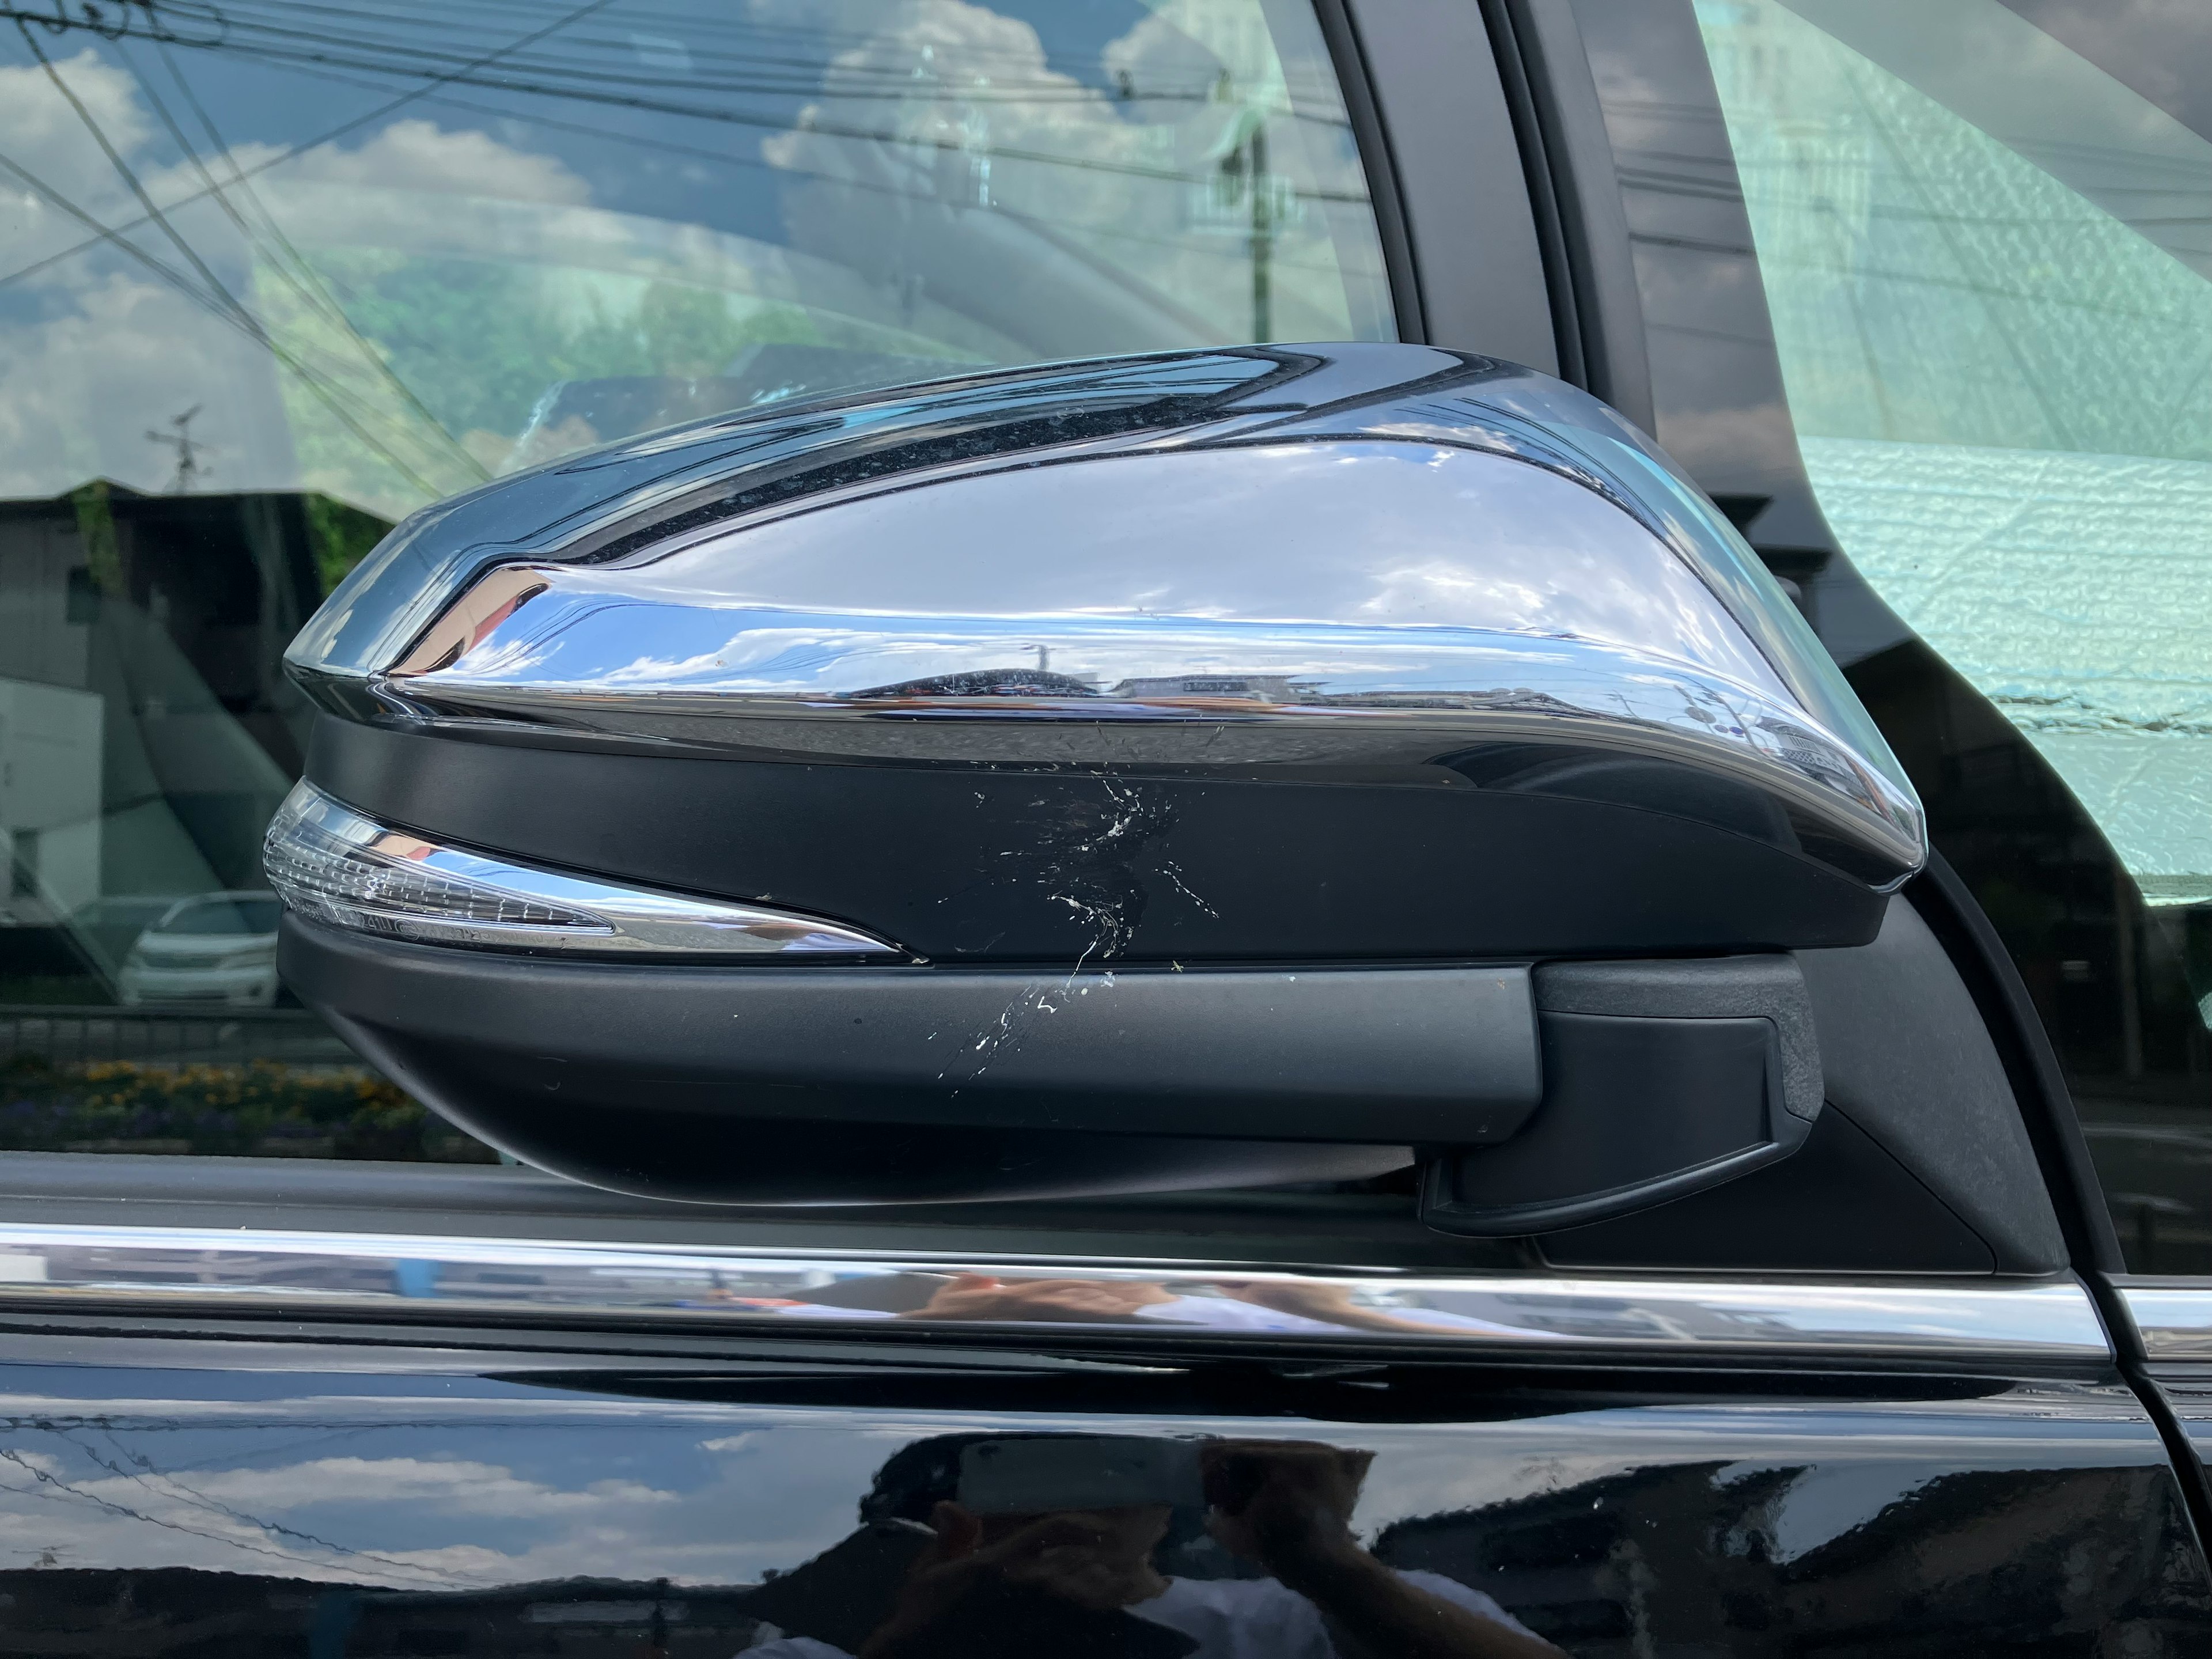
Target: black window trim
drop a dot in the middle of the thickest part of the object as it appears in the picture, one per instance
(1574, 187)
(1435, 134)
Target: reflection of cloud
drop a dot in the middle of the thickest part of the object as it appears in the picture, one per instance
(40, 132)
(111, 346)
(461, 1488)
(418, 154)
(1096, 236)
(437, 1505)
(512, 1486)
(79, 388)
(1296, 559)
(112, 349)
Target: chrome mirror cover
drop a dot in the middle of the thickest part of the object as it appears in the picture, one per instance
(1188, 561)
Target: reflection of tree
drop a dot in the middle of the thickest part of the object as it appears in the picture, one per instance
(481, 341)
(63, 1608)
(341, 536)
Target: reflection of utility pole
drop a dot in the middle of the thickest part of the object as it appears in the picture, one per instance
(188, 447)
(1263, 234)
(1044, 657)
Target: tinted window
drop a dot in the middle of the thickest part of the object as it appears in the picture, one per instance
(1968, 264)
(275, 277)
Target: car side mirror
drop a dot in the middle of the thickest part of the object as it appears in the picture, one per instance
(1214, 767)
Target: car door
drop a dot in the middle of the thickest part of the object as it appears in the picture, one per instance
(1797, 174)
(1875, 1399)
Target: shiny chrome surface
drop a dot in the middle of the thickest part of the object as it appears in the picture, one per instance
(333, 863)
(2050, 1321)
(2175, 1319)
(1311, 558)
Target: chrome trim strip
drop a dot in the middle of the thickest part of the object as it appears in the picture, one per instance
(158, 1269)
(2175, 1321)
(328, 861)
(1441, 689)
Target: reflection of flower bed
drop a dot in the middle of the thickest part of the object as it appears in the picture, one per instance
(264, 1108)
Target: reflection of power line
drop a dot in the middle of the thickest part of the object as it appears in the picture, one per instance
(1037, 224)
(123, 171)
(227, 315)
(596, 60)
(1353, 197)
(290, 267)
(286, 153)
(221, 299)
(600, 63)
(57, 1489)
(1111, 232)
(165, 1483)
(103, 233)
(837, 129)
(1001, 68)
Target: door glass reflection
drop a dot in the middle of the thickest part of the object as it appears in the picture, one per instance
(274, 277)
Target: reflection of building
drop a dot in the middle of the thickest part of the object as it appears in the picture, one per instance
(1015, 682)
(246, 1616)
(1781, 1557)
(146, 725)
(1253, 687)
(49, 799)
(1290, 688)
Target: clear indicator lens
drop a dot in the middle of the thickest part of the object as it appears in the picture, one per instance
(340, 868)
(333, 865)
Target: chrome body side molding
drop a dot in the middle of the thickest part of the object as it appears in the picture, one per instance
(156, 1270)
(2173, 1317)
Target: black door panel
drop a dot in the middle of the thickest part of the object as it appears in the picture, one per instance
(336, 1501)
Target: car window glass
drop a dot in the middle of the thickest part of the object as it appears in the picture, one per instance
(277, 275)
(1985, 260)
(1996, 355)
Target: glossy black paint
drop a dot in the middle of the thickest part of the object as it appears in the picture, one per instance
(2187, 1390)
(182, 1498)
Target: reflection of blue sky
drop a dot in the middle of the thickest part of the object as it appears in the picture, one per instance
(425, 1481)
(1368, 537)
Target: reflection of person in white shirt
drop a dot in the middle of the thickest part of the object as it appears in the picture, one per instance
(1285, 1505)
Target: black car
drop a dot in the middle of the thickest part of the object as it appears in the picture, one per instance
(1136, 827)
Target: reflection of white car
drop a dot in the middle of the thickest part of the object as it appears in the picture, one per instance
(215, 947)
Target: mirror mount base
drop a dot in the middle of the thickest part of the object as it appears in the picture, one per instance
(1661, 1079)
